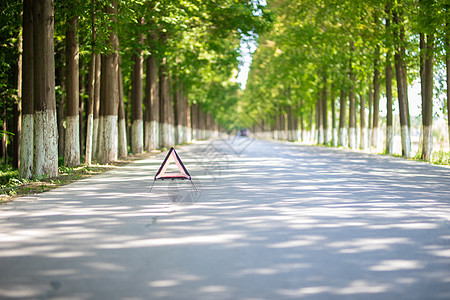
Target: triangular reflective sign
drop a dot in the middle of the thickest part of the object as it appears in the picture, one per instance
(183, 173)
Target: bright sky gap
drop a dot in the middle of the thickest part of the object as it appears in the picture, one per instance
(248, 46)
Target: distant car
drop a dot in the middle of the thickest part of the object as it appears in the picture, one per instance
(242, 132)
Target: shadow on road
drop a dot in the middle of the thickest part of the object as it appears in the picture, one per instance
(279, 222)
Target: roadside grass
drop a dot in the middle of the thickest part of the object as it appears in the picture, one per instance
(439, 157)
(12, 186)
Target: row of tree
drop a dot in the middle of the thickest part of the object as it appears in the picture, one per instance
(326, 59)
(83, 75)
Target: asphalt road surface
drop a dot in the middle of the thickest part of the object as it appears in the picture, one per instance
(268, 221)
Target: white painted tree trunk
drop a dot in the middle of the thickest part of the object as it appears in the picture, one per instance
(45, 143)
(109, 141)
(185, 134)
(343, 137)
(390, 139)
(72, 141)
(26, 147)
(152, 135)
(99, 137)
(203, 134)
(147, 134)
(352, 138)
(194, 134)
(375, 132)
(95, 137)
(89, 139)
(188, 134)
(137, 136)
(364, 139)
(172, 134)
(180, 134)
(406, 141)
(335, 137)
(122, 136)
(321, 137)
(427, 141)
(293, 134)
(164, 135)
(154, 139)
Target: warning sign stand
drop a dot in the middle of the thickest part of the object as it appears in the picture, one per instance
(182, 174)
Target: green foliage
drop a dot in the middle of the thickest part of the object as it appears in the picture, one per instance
(440, 158)
(310, 40)
(7, 174)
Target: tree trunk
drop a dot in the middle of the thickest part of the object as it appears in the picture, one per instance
(152, 105)
(188, 119)
(324, 108)
(402, 89)
(127, 111)
(109, 97)
(294, 124)
(170, 109)
(122, 134)
(208, 125)
(45, 129)
(166, 108)
(72, 134)
(352, 119)
(26, 141)
(137, 126)
(351, 97)
(194, 121)
(81, 109)
(389, 119)
(91, 92)
(290, 123)
(342, 119)
(310, 128)
(61, 102)
(370, 117)
(276, 133)
(363, 129)
(302, 129)
(447, 64)
(427, 96)
(319, 120)
(4, 135)
(334, 130)
(90, 111)
(179, 112)
(17, 109)
(203, 122)
(163, 106)
(97, 85)
(376, 98)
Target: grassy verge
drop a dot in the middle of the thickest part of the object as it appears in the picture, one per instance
(440, 157)
(12, 186)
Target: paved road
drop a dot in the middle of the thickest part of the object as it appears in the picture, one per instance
(278, 221)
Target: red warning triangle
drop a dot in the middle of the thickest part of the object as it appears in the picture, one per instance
(172, 155)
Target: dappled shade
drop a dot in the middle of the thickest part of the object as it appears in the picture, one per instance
(279, 222)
